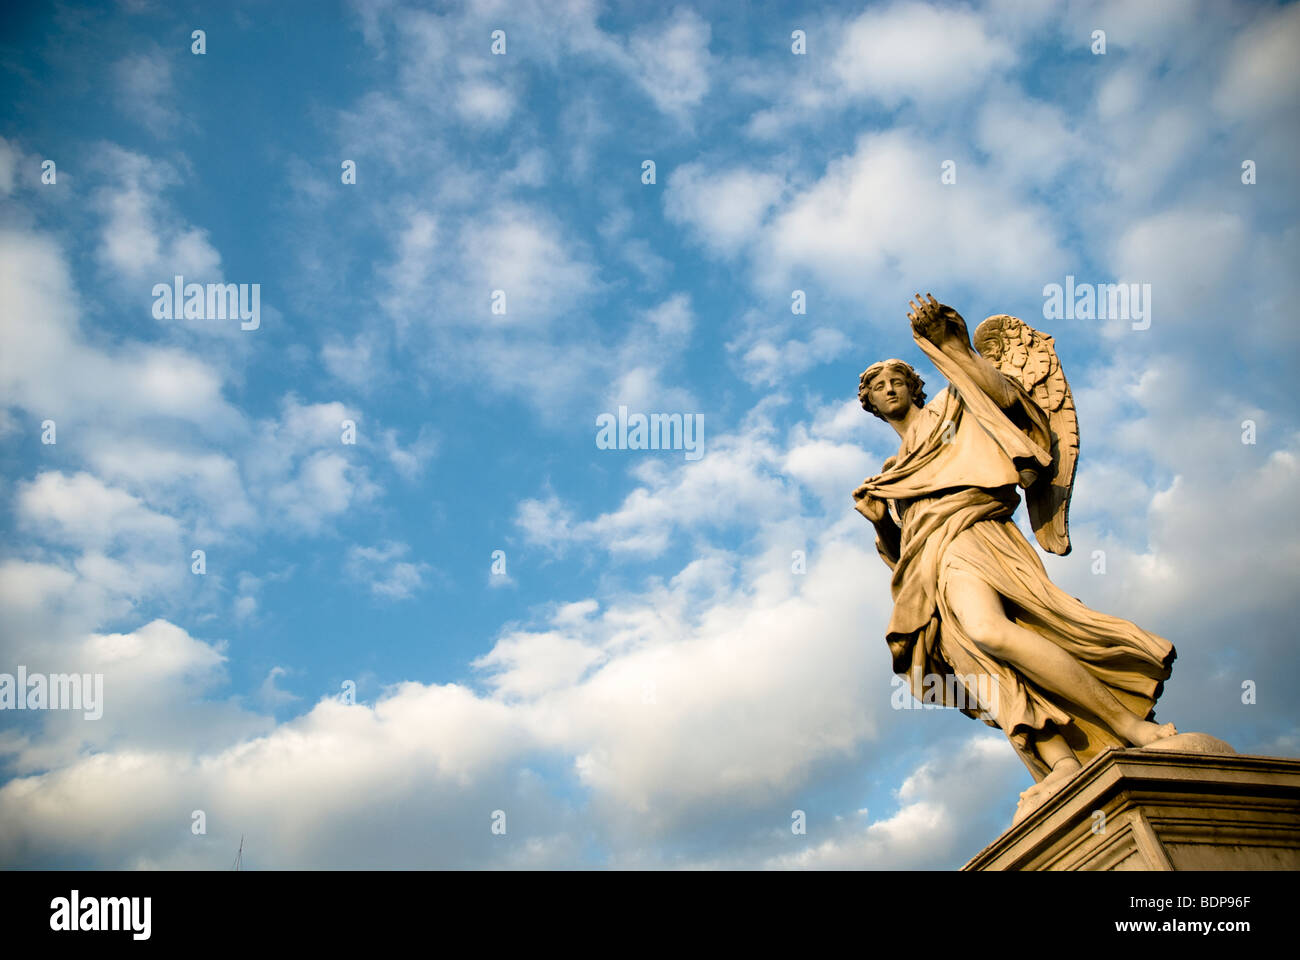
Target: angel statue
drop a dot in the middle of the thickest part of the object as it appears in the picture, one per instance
(972, 600)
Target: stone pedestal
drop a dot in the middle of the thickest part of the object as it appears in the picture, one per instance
(1163, 810)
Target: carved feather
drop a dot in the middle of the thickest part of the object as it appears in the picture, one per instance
(1029, 357)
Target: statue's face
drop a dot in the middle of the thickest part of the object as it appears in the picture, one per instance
(889, 394)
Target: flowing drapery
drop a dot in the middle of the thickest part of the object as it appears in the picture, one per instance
(953, 488)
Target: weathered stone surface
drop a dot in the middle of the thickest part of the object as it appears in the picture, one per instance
(1191, 743)
(1161, 808)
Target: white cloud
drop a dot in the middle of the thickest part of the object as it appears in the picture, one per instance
(918, 51)
(828, 469)
(143, 242)
(124, 551)
(652, 348)
(484, 104)
(1259, 76)
(410, 461)
(766, 359)
(725, 208)
(841, 421)
(943, 806)
(50, 369)
(385, 572)
(733, 482)
(18, 168)
(145, 90)
(175, 477)
(521, 252)
(529, 664)
(301, 470)
(546, 280)
(416, 247)
(546, 522)
(270, 695)
(320, 790)
(1181, 253)
(323, 486)
(1030, 141)
(354, 362)
(877, 218)
(1157, 141)
(155, 679)
(930, 57)
(82, 511)
(672, 61)
(881, 217)
(673, 318)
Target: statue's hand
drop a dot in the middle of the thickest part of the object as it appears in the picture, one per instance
(938, 322)
(870, 507)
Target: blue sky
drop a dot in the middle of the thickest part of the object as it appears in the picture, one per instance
(649, 684)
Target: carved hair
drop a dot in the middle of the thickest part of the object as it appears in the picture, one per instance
(914, 384)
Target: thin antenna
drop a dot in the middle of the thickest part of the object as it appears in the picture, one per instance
(239, 857)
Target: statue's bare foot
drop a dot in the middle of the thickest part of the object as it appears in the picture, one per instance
(1145, 732)
(1045, 789)
(1030, 800)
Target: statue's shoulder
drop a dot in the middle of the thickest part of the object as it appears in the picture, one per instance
(940, 400)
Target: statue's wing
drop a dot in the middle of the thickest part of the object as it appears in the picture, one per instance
(1029, 357)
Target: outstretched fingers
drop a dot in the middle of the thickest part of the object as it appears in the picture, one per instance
(925, 308)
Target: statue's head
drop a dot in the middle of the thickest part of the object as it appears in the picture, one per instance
(913, 384)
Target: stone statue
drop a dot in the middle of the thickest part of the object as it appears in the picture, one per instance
(973, 605)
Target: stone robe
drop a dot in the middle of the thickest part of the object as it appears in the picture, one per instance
(953, 487)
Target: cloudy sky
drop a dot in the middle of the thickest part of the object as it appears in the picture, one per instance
(644, 675)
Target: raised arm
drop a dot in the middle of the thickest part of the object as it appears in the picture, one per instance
(944, 327)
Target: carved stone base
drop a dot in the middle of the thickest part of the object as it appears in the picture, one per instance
(1162, 808)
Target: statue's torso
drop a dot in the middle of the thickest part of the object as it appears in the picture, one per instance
(960, 453)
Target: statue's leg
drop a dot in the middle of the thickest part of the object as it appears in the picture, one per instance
(1055, 752)
(982, 617)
